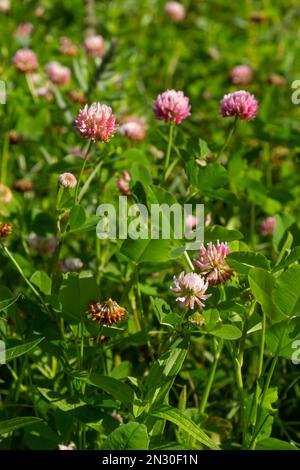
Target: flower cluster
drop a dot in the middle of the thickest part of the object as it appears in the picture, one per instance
(94, 46)
(123, 184)
(133, 127)
(241, 104)
(211, 261)
(190, 288)
(25, 60)
(96, 122)
(68, 180)
(58, 74)
(107, 312)
(175, 10)
(173, 106)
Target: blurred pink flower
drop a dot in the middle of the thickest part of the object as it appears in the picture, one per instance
(58, 74)
(239, 103)
(42, 245)
(96, 122)
(24, 29)
(191, 221)
(70, 265)
(67, 180)
(241, 74)
(208, 219)
(133, 127)
(94, 46)
(77, 152)
(267, 226)
(172, 105)
(211, 262)
(123, 184)
(67, 47)
(175, 10)
(25, 60)
(39, 11)
(4, 6)
(191, 287)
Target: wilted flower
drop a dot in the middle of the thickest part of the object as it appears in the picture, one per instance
(5, 194)
(4, 6)
(5, 230)
(267, 226)
(68, 180)
(172, 105)
(175, 10)
(123, 184)
(14, 137)
(94, 46)
(23, 186)
(77, 96)
(58, 74)
(239, 103)
(258, 17)
(191, 287)
(25, 60)
(276, 79)
(133, 127)
(96, 122)
(107, 312)
(70, 265)
(241, 75)
(70, 446)
(67, 47)
(24, 29)
(211, 262)
(42, 245)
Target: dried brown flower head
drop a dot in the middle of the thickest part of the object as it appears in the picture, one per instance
(23, 186)
(107, 312)
(5, 230)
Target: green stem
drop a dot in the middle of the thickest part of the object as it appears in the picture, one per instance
(229, 137)
(82, 170)
(31, 87)
(36, 293)
(189, 261)
(168, 154)
(218, 349)
(262, 346)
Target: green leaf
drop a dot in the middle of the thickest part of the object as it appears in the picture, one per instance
(242, 261)
(163, 312)
(10, 425)
(75, 295)
(164, 371)
(286, 294)
(120, 391)
(130, 436)
(16, 351)
(216, 232)
(289, 337)
(143, 251)
(183, 422)
(262, 284)
(283, 223)
(42, 281)
(274, 444)
(77, 217)
(59, 401)
(7, 299)
(229, 332)
(291, 258)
